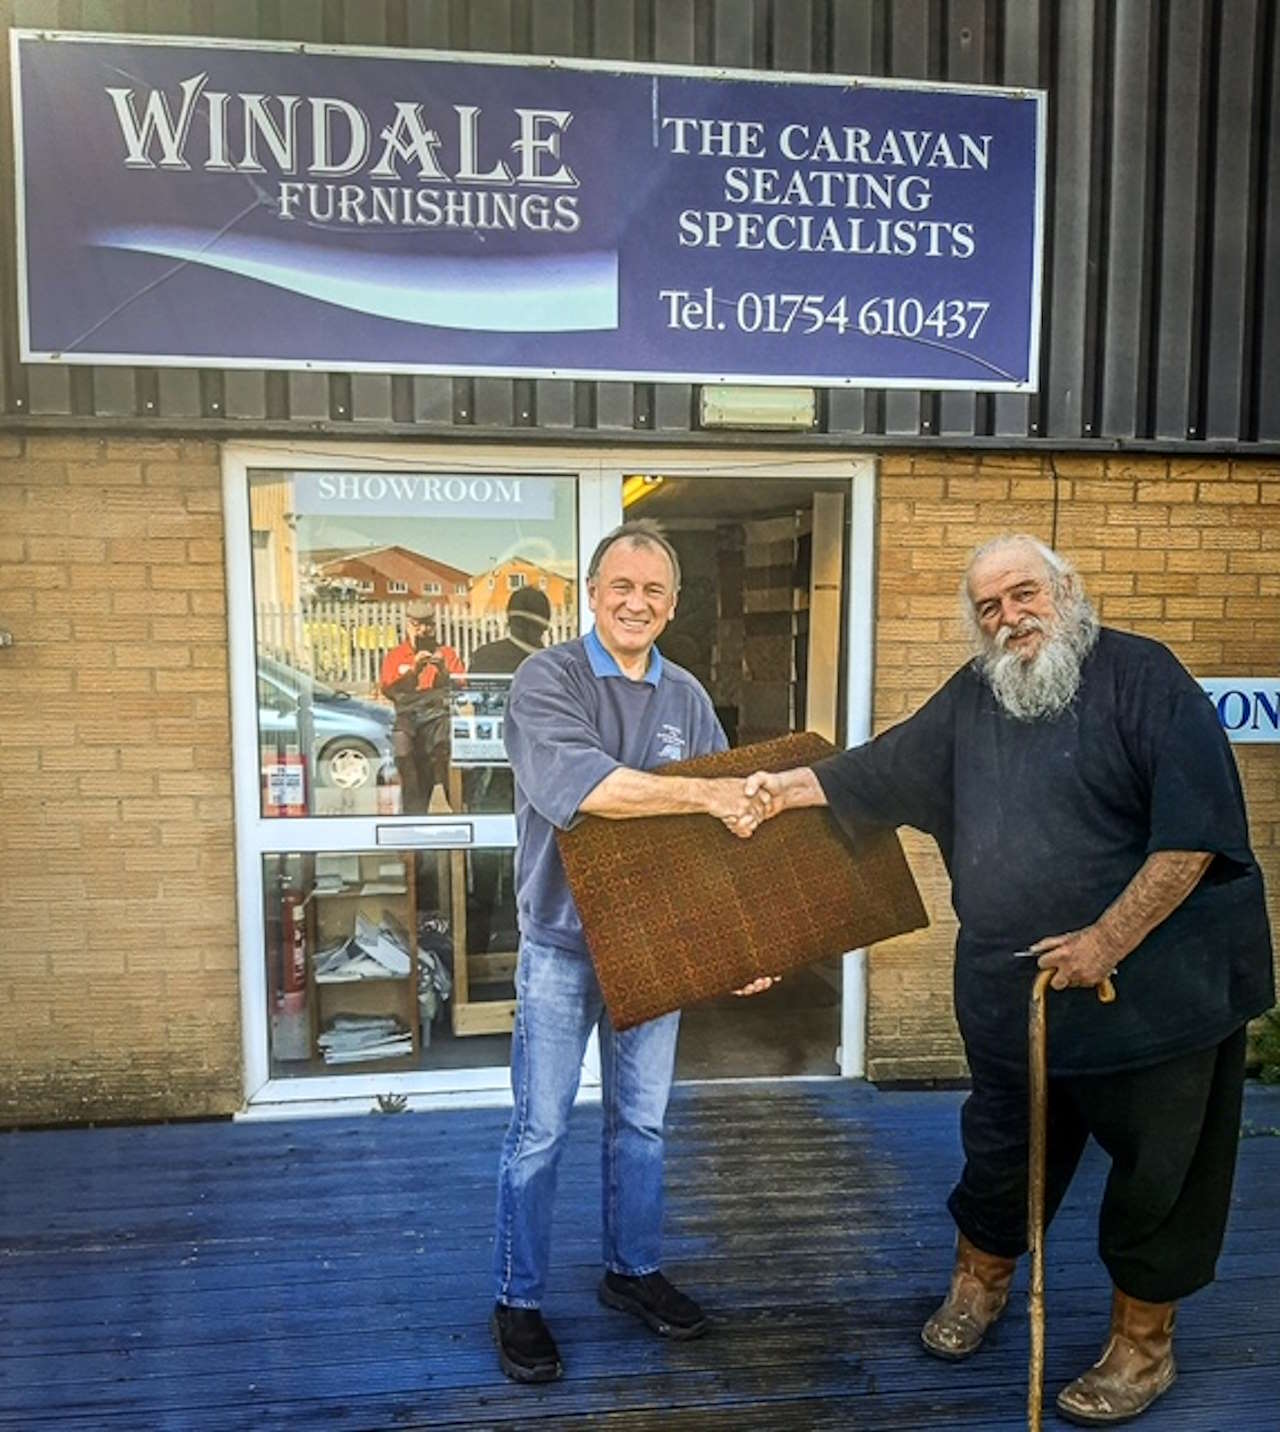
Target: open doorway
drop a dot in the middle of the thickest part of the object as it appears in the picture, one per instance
(760, 622)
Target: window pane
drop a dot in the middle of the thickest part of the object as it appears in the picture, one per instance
(389, 960)
(375, 595)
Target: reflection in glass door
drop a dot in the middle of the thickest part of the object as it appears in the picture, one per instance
(390, 611)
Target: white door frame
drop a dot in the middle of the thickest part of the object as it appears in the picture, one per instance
(599, 474)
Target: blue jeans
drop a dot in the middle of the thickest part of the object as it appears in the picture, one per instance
(558, 1003)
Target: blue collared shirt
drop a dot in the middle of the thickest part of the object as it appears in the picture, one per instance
(573, 718)
(603, 662)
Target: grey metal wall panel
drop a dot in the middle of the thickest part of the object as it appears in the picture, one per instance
(673, 31)
(294, 20)
(1021, 48)
(673, 407)
(967, 62)
(791, 36)
(675, 41)
(1229, 294)
(371, 397)
(614, 28)
(846, 411)
(234, 18)
(1267, 372)
(1067, 277)
(553, 400)
(733, 33)
(858, 46)
(245, 395)
(615, 405)
(1184, 95)
(48, 390)
(910, 57)
(362, 24)
(551, 29)
(167, 17)
(114, 394)
(857, 37)
(428, 26)
(178, 393)
(308, 396)
(1128, 290)
(491, 26)
(1161, 312)
(495, 403)
(433, 401)
(101, 15)
(910, 36)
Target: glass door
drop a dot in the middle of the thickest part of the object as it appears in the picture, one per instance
(378, 605)
(378, 617)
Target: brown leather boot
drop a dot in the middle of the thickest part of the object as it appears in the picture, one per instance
(1136, 1365)
(979, 1290)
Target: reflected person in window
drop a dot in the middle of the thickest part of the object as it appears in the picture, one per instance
(491, 789)
(416, 678)
(586, 723)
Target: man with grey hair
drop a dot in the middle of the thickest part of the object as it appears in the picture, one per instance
(586, 723)
(1090, 816)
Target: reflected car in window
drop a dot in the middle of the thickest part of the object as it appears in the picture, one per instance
(350, 738)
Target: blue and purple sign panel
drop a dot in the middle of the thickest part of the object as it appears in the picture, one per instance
(286, 207)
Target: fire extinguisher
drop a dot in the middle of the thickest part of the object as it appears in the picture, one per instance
(294, 940)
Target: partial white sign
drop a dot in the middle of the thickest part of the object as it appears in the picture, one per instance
(1248, 707)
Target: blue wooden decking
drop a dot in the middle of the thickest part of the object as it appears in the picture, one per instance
(332, 1274)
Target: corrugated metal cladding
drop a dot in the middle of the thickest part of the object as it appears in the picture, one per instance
(1162, 264)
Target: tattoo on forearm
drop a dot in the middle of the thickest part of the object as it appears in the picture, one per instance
(1155, 892)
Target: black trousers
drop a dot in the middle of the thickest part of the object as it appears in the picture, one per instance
(423, 763)
(1171, 1131)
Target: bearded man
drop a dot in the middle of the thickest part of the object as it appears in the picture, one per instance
(1090, 816)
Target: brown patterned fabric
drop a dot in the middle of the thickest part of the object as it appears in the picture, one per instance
(678, 909)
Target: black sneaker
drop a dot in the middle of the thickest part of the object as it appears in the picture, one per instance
(655, 1302)
(526, 1349)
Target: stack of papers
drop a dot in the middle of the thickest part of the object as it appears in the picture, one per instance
(351, 1038)
(374, 952)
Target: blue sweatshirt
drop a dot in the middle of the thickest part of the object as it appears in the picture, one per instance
(572, 719)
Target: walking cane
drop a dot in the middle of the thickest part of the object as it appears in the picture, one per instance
(1038, 1070)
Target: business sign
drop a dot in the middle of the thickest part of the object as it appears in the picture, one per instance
(286, 206)
(423, 494)
(1248, 707)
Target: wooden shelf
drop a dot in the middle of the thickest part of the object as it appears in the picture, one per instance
(383, 994)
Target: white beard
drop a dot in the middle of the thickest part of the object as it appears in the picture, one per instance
(1032, 690)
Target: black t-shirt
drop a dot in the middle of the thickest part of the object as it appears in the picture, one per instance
(491, 788)
(1042, 824)
(498, 658)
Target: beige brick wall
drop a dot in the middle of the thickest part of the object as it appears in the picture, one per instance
(1184, 551)
(118, 961)
(118, 957)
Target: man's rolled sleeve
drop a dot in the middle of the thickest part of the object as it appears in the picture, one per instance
(554, 749)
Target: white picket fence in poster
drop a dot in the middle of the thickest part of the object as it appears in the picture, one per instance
(344, 642)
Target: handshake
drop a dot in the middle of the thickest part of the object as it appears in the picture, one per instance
(743, 805)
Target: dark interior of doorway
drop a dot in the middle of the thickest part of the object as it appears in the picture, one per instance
(742, 628)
